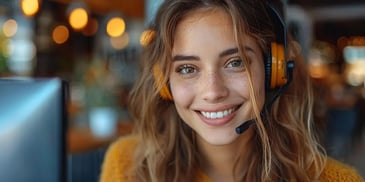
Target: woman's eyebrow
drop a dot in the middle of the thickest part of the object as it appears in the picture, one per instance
(234, 51)
(180, 57)
(227, 52)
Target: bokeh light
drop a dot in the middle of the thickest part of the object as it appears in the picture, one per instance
(115, 27)
(60, 34)
(78, 18)
(120, 42)
(10, 28)
(146, 37)
(91, 27)
(29, 7)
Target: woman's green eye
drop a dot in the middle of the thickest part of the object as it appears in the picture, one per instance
(236, 63)
(186, 69)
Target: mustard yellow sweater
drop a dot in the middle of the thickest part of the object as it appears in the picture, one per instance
(119, 159)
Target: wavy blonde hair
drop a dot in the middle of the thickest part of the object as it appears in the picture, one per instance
(285, 147)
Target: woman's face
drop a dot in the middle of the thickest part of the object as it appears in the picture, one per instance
(209, 81)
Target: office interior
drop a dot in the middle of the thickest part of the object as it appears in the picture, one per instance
(95, 46)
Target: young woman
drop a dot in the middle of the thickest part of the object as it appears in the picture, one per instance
(216, 101)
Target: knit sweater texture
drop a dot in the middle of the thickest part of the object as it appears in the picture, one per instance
(119, 159)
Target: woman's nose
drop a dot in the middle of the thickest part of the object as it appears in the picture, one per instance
(213, 87)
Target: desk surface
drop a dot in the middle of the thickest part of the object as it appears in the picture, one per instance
(82, 139)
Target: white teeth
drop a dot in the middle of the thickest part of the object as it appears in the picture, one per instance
(219, 114)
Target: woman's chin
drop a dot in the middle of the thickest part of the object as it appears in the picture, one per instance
(219, 137)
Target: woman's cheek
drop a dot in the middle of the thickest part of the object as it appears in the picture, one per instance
(182, 93)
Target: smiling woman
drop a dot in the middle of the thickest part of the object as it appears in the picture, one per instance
(209, 79)
(210, 67)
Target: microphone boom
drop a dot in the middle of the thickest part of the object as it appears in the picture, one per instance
(244, 126)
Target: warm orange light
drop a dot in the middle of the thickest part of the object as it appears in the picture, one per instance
(29, 7)
(318, 71)
(78, 18)
(146, 37)
(60, 34)
(91, 27)
(115, 27)
(10, 28)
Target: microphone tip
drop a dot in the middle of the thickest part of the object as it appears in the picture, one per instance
(244, 126)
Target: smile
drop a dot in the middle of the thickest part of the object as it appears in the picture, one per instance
(218, 114)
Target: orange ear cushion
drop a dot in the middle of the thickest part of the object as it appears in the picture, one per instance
(280, 76)
(158, 76)
(274, 64)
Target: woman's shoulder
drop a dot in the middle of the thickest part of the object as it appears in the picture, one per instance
(119, 159)
(338, 171)
(124, 145)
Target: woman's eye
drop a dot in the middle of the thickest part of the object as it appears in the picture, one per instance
(235, 63)
(186, 69)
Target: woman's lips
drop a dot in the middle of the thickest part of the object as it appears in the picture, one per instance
(217, 118)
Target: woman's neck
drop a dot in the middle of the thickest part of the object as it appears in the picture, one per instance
(218, 161)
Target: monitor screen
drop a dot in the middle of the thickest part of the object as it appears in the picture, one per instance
(32, 130)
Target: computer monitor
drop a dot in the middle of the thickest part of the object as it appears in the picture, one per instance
(32, 130)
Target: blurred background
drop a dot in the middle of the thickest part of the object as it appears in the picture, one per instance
(95, 46)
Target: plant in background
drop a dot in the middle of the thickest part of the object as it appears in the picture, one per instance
(101, 99)
(100, 85)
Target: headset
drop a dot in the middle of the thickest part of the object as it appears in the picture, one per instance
(278, 70)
